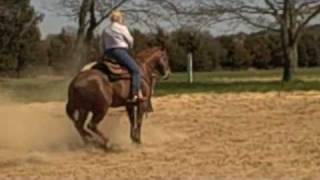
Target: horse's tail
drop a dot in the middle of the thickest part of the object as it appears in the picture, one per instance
(71, 110)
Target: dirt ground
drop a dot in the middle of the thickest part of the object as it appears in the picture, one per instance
(208, 136)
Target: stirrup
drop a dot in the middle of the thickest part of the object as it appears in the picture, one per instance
(136, 99)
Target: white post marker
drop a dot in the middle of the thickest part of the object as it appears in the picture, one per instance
(190, 67)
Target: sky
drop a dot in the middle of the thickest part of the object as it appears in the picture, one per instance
(52, 23)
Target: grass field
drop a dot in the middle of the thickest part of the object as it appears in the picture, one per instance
(54, 89)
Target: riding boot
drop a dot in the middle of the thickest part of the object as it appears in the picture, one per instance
(140, 96)
(137, 97)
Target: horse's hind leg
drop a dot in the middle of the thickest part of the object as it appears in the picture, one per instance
(80, 123)
(149, 106)
(93, 126)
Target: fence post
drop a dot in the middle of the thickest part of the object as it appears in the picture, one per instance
(190, 67)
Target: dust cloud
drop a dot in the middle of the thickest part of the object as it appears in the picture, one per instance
(35, 126)
(39, 133)
(45, 127)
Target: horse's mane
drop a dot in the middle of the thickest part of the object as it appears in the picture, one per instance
(147, 53)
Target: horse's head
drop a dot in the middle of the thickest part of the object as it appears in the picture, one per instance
(162, 64)
(157, 60)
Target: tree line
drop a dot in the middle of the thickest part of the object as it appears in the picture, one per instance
(261, 50)
(20, 34)
(287, 18)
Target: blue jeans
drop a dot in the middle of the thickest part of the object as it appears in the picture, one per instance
(122, 56)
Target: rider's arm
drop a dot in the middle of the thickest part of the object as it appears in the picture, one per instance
(103, 40)
(127, 36)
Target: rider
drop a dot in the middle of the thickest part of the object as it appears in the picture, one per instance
(116, 42)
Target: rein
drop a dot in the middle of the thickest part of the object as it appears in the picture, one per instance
(146, 66)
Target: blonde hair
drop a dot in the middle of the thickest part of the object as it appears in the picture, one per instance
(117, 16)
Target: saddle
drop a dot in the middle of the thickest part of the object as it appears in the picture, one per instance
(109, 67)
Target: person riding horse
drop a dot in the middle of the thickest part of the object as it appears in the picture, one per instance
(100, 86)
(116, 42)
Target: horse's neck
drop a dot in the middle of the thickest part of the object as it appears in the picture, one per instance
(148, 66)
(146, 73)
(152, 61)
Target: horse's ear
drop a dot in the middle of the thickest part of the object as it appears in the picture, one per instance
(163, 48)
(163, 45)
(161, 38)
(149, 44)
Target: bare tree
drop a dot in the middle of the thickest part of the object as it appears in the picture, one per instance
(151, 13)
(289, 18)
(148, 14)
(90, 14)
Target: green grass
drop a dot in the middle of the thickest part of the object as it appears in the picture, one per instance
(223, 87)
(44, 89)
(240, 81)
(242, 75)
(40, 90)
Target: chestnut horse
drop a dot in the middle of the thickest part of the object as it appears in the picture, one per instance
(92, 91)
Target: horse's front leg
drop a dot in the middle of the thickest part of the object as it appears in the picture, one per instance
(139, 118)
(133, 125)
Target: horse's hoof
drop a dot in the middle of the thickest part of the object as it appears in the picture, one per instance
(137, 141)
(112, 147)
(108, 146)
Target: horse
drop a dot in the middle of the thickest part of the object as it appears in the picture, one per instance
(92, 91)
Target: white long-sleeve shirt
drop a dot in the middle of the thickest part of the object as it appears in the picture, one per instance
(117, 36)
